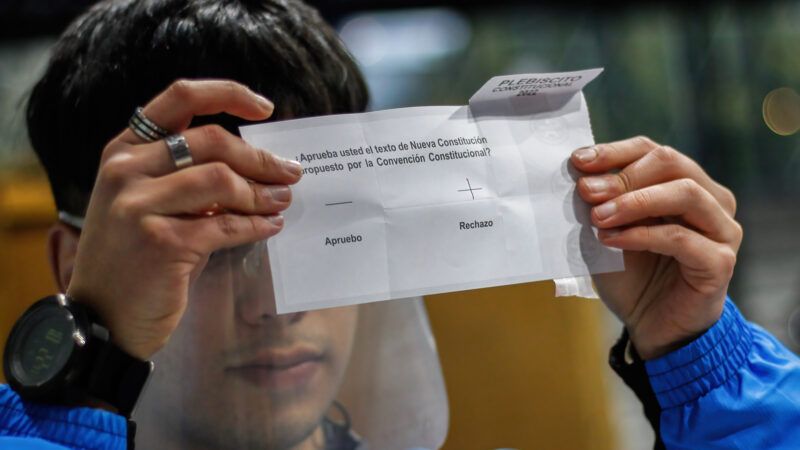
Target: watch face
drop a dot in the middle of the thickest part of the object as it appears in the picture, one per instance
(43, 346)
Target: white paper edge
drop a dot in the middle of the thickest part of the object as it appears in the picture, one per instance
(575, 287)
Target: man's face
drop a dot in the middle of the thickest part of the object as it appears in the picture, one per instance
(234, 376)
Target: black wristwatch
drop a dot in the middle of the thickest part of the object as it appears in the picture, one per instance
(58, 352)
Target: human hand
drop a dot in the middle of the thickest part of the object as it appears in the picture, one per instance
(677, 229)
(148, 234)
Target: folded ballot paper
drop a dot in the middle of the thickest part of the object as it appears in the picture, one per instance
(414, 201)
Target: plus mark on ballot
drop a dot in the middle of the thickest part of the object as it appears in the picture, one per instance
(470, 189)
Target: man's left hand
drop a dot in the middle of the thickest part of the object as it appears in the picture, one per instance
(677, 229)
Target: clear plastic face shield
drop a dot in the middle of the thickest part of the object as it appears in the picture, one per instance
(234, 376)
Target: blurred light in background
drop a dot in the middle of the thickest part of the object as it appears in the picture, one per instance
(781, 111)
(405, 39)
(396, 48)
(21, 63)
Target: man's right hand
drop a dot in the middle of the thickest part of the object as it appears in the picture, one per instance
(147, 234)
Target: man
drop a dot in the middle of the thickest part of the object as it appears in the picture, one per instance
(151, 252)
(234, 376)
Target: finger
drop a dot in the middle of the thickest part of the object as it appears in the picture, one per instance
(702, 257)
(211, 187)
(683, 198)
(643, 163)
(212, 143)
(613, 155)
(174, 108)
(209, 234)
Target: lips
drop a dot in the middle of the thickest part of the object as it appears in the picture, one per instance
(278, 368)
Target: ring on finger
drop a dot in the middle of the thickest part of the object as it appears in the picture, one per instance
(179, 151)
(146, 128)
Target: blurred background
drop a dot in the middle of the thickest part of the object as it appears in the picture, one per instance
(523, 370)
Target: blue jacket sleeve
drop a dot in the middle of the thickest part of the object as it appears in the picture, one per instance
(31, 426)
(735, 387)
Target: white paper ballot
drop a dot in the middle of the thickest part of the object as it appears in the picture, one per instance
(416, 201)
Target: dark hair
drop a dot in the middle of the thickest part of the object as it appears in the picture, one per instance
(121, 53)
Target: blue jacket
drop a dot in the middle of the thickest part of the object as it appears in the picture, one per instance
(735, 387)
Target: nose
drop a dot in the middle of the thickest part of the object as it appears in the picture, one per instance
(256, 309)
(255, 297)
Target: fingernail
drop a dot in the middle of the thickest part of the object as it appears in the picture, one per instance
(293, 166)
(609, 233)
(279, 193)
(596, 184)
(266, 104)
(605, 210)
(585, 154)
(276, 220)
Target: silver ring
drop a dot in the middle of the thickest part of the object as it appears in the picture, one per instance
(145, 128)
(179, 150)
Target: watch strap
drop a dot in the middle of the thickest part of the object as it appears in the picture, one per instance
(627, 363)
(118, 378)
